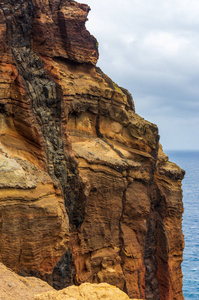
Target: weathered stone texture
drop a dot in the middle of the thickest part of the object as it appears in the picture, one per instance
(86, 192)
(85, 291)
(15, 287)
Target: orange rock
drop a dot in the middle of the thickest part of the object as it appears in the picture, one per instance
(34, 225)
(86, 192)
(59, 31)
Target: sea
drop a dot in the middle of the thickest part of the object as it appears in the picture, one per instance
(189, 161)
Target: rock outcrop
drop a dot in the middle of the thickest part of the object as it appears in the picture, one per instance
(86, 291)
(86, 192)
(15, 287)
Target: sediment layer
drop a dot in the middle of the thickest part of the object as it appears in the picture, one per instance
(86, 192)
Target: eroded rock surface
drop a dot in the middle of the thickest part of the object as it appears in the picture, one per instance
(86, 192)
(86, 291)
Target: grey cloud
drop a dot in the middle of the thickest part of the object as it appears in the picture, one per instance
(151, 48)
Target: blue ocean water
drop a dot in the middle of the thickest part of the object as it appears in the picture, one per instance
(189, 161)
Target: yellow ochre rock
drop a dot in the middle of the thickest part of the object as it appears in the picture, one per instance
(15, 287)
(85, 291)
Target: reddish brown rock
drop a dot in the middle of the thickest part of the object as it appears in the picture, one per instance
(76, 157)
(59, 31)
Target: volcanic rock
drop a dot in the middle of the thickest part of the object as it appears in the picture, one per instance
(86, 192)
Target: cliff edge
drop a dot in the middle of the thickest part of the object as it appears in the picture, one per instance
(86, 192)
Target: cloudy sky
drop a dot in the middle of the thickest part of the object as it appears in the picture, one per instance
(152, 49)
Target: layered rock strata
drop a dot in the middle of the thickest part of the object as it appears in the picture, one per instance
(87, 194)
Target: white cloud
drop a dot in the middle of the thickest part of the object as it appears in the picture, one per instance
(164, 43)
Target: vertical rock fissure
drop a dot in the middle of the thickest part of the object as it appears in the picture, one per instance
(46, 100)
(150, 261)
(151, 283)
(139, 284)
(121, 241)
(97, 126)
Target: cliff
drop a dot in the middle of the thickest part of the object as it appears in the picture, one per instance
(86, 192)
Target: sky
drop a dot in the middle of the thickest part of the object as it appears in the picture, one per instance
(151, 48)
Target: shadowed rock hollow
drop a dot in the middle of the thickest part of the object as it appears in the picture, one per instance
(86, 192)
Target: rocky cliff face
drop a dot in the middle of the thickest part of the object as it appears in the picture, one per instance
(86, 192)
